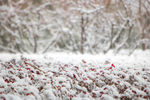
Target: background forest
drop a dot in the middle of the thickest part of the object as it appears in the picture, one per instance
(85, 26)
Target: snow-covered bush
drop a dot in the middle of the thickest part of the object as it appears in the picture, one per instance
(52, 77)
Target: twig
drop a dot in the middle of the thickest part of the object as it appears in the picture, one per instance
(34, 67)
(8, 49)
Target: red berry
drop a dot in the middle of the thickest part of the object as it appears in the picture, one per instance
(101, 92)
(145, 91)
(6, 80)
(11, 72)
(10, 66)
(37, 72)
(113, 65)
(97, 73)
(27, 68)
(19, 69)
(12, 80)
(25, 63)
(84, 92)
(74, 76)
(31, 78)
(32, 71)
(93, 69)
(102, 75)
(110, 68)
(71, 96)
(134, 91)
(27, 94)
(76, 67)
(59, 88)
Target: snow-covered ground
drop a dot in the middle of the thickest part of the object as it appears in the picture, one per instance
(66, 76)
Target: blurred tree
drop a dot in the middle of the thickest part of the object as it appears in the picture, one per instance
(39, 26)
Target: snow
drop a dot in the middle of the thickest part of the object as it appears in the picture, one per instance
(64, 76)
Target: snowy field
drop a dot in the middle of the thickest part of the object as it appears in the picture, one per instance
(66, 76)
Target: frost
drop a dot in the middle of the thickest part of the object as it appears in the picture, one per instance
(52, 77)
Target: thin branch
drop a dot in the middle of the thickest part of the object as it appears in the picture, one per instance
(35, 43)
(125, 7)
(34, 67)
(125, 40)
(8, 49)
(52, 42)
(120, 32)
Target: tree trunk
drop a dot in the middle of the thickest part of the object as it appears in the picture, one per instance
(82, 35)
